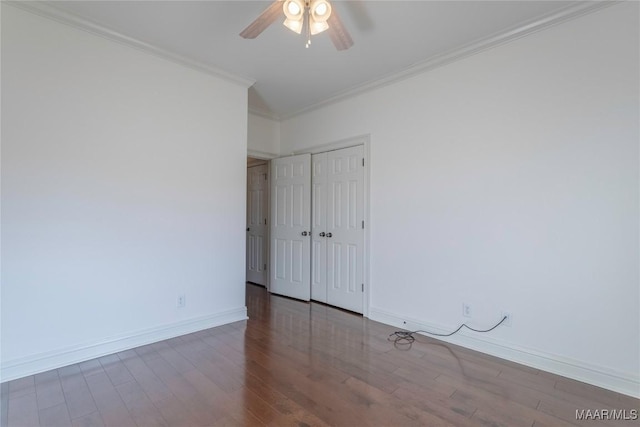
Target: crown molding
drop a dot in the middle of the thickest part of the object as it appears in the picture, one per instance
(46, 10)
(521, 30)
(262, 155)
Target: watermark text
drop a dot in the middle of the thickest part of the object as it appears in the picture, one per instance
(607, 414)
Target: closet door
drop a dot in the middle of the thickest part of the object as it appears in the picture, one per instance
(319, 227)
(257, 189)
(291, 226)
(337, 253)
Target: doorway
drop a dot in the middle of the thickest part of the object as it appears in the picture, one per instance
(257, 237)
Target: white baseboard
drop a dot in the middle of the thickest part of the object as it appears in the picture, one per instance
(621, 382)
(22, 367)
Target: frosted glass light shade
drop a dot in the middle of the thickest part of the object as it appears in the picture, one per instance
(320, 10)
(293, 25)
(293, 9)
(318, 27)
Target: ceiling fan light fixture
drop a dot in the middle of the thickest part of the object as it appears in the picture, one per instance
(320, 10)
(293, 25)
(293, 9)
(318, 27)
(310, 16)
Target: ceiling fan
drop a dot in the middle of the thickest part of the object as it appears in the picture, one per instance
(310, 16)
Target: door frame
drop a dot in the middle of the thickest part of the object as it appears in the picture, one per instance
(267, 157)
(365, 141)
(265, 250)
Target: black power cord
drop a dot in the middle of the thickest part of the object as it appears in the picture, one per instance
(406, 337)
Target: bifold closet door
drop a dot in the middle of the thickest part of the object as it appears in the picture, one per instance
(338, 228)
(291, 226)
(319, 227)
(257, 190)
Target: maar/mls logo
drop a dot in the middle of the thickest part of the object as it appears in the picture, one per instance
(607, 414)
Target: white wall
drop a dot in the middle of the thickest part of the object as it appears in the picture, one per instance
(263, 136)
(509, 180)
(123, 186)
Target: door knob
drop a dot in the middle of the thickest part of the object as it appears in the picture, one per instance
(329, 234)
(322, 234)
(247, 228)
(304, 233)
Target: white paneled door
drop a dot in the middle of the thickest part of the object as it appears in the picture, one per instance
(291, 226)
(319, 227)
(338, 228)
(257, 214)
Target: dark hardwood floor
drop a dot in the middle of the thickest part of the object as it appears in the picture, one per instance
(298, 364)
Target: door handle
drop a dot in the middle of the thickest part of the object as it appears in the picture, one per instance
(329, 235)
(304, 233)
(322, 234)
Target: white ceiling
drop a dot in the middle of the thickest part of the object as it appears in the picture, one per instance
(389, 37)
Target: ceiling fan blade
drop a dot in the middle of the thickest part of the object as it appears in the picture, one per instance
(338, 33)
(265, 19)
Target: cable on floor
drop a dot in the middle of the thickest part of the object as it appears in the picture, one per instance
(406, 337)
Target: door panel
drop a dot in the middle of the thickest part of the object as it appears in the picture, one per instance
(337, 233)
(319, 225)
(291, 217)
(345, 208)
(257, 197)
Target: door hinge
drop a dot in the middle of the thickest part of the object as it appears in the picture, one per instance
(265, 267)
(265, 221)
(363, 224)
(265, 176)
(363, 287)
(363, 161)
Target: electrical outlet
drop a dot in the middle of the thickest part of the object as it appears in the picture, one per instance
(466, 309)
(182, 301)
(508, 321)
